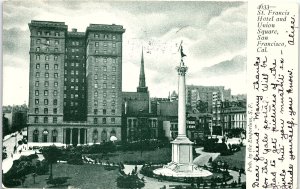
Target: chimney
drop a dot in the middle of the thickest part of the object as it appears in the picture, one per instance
(74, 30)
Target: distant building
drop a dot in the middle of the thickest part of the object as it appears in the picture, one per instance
(205, 94)
(16, 117)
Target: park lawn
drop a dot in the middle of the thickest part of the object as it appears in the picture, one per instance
(80, 176)
(162, 155)
(235, 160)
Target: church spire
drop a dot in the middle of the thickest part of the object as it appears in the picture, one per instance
(142, 81)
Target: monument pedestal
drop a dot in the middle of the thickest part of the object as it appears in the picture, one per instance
(182, 150)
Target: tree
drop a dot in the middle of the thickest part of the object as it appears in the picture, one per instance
(51, 155)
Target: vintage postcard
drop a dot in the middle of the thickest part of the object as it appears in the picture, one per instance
(149, 94)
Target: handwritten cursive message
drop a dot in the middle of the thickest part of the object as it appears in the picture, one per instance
(271, 156)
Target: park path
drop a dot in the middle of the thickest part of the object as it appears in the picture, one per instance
(203, 157)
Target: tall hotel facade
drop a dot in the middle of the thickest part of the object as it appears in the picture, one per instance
(75, 84)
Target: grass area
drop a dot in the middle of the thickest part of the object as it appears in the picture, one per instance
(162, 155)
(80, 176)
(236, 160)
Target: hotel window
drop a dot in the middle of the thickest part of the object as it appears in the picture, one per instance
(56, 42)
(114, 60)
(46, 74)
(47, 66)
(45, 110)
(114, 44)
(96, 51)
(54, 121)
(48, 41)
(46, 84)
(39, 33)
(113, 85)
(104, 85)
(96, 44)
(113, 77)
(104, 77)
(36, 110)
(38, 49)
(76, 80)
(47, 49)
(113, 37)
(113, 94)
(37, 101)
(37, 74)
(47, 57)
(96, 85)
(72, 95)
(65, 87)
(55, 75)
(96, 35)
(105, 44)
(38, 41)
(47, 33)
(36, 119)
(104, 120)
(55, 92)
(105, 60)
(77, 43)
(55, 102)
(104, 102)
(55, 57)
(113, 68)
(55, 84)
(105, 51)
(104, 68)
(46, 101)
(56, 50)
(96, 94)
(46, 92)
(45, 119)
(77, 64)
(72, 103)
(76, 72)
(36, 93)
(96, 68)
(105, 36)
(97, 60)
(72, 87)
(55, 66)
(72, 72)
(66, 64)
(104, 94)
(37, 57)
(65, 95)
(73, 50)
(37, 83)
(76, 88)
(76, 95)
(113, 111)
(95, 111)
(56, 34)
(112, 120)
(95, 102)
(113, 102)
(95, 120)
(66, 71)
(96, 76)
(66, 79)
(37, 66)
(104, 111)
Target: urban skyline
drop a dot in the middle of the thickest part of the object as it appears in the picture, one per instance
(158, 39)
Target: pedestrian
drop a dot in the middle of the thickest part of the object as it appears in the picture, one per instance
(12, 155)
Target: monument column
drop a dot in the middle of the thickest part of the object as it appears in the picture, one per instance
(181, 101)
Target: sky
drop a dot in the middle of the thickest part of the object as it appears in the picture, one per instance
(213, 35)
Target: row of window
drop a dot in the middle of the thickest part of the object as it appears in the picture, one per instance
(104, 52)
(112, 120)
(72, 72)
(38, 65)
(45, 120)
(74, 64)
(104, 86)
(46, 101)
(46, 83)
(105, 36)
(36, 111)
(97, 59)
(104, 44)
(47, 57)
(73, 95)
(114, 68)
(72, 87)
(38, 49)
(74, 80)
(46, 92)
(37, 75)
(104, 103)
(72, 103)
(113, 111)
(48, 33)
(35, 136)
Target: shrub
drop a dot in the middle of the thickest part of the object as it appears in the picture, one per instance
(130, 181)
(57, 181)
